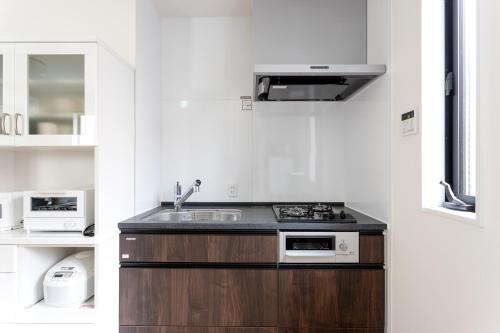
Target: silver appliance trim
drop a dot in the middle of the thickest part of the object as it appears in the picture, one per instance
(331, 82)
(345, 248)
(319, 70)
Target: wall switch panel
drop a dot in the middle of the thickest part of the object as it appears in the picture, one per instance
(409, 122)
(246, 103)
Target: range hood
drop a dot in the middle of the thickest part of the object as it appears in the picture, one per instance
(312, 82)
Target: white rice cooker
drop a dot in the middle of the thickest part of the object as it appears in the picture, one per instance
(70, 282)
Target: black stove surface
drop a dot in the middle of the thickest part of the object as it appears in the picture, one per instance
(312, 213)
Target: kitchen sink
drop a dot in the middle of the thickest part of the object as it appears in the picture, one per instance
(204, 215)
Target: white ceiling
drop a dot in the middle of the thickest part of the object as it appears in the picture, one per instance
(204, 8)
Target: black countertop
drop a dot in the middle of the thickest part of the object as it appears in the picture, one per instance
(255, 218)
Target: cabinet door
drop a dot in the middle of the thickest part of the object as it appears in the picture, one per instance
(198, 297)
(331, 299)
(6, 94)
(55, 93)
(180, 329)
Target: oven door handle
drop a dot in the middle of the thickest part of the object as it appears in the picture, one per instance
(310, 253)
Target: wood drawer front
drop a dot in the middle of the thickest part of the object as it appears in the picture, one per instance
(8, 258)
(180, 329)
(331, 330)
(198, 297)
(328, 298)
(198, 248)
(371, 249)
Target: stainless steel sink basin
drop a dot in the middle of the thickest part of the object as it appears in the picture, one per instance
(208, 215)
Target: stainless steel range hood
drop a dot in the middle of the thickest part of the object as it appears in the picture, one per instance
(312, 82)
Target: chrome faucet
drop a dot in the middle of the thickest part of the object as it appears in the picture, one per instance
(180, 198)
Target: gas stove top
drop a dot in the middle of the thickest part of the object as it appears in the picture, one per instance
(312, 213)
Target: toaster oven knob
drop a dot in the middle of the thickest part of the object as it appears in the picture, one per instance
(343, 246)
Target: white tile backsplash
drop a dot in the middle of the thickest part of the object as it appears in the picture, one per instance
(298, 151)
(209, 140)
(206, 66)
(280, 151)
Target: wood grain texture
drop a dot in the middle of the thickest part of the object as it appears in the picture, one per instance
(331, 330)
(175, 248)
(180, 329)
(371, 249)
(324, 298)
(198, 297)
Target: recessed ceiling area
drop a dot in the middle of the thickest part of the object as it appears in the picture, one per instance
(204, 8)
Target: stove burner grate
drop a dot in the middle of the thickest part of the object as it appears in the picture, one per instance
(294, 212)
(309, 212)
(319, 208)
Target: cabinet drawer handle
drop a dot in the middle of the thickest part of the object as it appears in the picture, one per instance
(125, 256)
(4, 129)
(130, 238)
(19, 129)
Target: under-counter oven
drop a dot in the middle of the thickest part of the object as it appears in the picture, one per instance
(318, 247)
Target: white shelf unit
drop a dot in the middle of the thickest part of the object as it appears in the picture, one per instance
(22, 237)
(33, 263)
(52, 162)
(50, 93)
(43, 313)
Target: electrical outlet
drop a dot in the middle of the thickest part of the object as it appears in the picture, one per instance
(232, 190)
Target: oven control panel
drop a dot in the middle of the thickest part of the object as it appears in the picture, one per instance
(319, 247)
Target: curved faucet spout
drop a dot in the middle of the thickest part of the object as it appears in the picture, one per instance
(181, 198)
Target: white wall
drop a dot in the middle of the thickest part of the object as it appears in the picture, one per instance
(277, 152)
(206, 66)
(54, 170)
(46, 170)
(445, 272)
(147, 107)
(367, 125)
(113, 21)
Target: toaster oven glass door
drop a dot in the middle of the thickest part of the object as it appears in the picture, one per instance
(54, 204)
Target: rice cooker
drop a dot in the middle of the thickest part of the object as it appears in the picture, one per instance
(70, 282)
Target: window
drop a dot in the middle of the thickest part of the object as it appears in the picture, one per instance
(460, 98)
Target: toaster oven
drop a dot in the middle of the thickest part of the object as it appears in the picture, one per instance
(58, 210)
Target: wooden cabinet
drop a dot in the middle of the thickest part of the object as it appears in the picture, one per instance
(224, 283)
(331, 330)
(371, 249)
(331, 298)
(198, 297)
(213, 248)
(177, 329)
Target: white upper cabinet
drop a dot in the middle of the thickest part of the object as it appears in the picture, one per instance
(54, 94)
(6, 94)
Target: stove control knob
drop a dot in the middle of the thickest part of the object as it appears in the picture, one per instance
(343, 246)
(342, 214)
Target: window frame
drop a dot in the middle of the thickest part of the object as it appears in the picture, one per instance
(455, 100)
